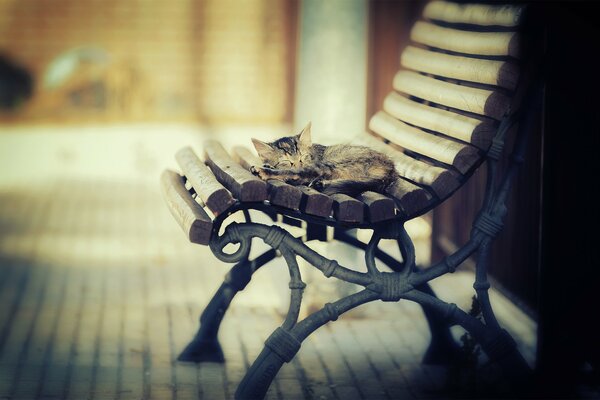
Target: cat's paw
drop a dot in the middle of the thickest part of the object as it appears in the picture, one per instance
(317, 184)
(262, 173)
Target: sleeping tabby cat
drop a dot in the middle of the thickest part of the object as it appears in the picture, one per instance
(333, 169)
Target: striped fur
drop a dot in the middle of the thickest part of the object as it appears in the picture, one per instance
(333, 169)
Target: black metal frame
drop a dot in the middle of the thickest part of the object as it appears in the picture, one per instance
(406, 282)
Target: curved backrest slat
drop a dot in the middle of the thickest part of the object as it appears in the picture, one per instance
(445, 150)
(491, 72)
(438, 180)
(411, 199)
(475, 100)
(466, 42)
(458, 79)
(471, 130)
(476, 14)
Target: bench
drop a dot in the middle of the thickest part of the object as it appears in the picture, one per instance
(454, 101)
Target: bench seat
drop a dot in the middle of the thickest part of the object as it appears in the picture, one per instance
(210, 189)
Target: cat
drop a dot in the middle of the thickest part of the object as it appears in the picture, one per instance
(333, 169)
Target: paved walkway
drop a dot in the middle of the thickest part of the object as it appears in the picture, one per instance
(99, 291)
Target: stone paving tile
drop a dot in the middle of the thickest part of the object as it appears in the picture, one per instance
(100, 291)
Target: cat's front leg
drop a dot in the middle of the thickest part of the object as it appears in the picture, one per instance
(316, 184)
(291, 176)
(265, 172)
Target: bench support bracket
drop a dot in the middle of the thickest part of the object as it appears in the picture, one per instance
(406, 282)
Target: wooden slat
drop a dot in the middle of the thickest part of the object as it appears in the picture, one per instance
(440, 180)
(467, 42)
(315, 203)
(475, 100)
(379, 207)
(244, 186)
(471, 130)
(280, 193)
(210, 191)
(490, 72)
(284, 195)
(190, 216)
(347, 209)
(476, 14)
(411, 198)
(246, 158)
(461, 156)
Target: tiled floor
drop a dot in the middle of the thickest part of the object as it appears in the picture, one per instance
(99, 291)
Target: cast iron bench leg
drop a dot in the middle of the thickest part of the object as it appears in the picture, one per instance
(205, 346)
(496, 342)
(284, 343)
(442, 349)
(257, 380)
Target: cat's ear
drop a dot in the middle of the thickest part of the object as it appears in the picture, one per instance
(304, 137)
(263, 149)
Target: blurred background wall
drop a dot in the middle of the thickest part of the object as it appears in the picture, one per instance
(108, 60)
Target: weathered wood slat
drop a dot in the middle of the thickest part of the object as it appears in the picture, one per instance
(190, 216)
(347, 209)
(246, 158)
(467, 42)
(461, 156)
(284, 195)
(490, 72)
(244, 186)
(475, 100)
(210, 191)
(471, 130)
(440, 180)
(280, 193)
(379, 207)
(315, 203)
(476, 14)
(411, 198)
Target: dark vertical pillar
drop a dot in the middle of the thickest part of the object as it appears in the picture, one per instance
(569, 291)
(390, 22)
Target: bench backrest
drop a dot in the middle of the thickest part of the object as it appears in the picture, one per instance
(457, 80)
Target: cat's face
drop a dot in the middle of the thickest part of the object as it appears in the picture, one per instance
(287, 152)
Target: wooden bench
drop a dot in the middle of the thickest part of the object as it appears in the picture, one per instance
(454, 100)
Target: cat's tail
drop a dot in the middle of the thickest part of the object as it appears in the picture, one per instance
(353, 187)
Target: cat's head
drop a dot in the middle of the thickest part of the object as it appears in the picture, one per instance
(287, 152)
